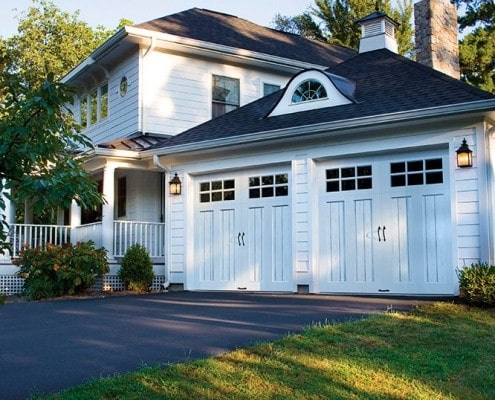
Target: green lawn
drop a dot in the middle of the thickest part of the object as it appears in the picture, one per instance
(443, 351)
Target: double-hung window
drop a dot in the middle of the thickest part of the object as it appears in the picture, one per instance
(94, 106)
(225, 95)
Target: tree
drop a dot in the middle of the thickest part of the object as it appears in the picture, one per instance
(50, 40)
(477, 13)
(477, 48)
(38, 141)
(338, 18)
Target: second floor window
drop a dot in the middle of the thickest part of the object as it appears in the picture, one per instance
(225, 95)
(269, 88)
(94, 106)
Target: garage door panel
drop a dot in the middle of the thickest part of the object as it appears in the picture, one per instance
(280, 248)
(205, 246)
(398, 238)
(363, 264)
(256, 239)
(334, 260)
(390, 234)
(226, 245)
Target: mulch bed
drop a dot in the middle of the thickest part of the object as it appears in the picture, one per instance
(88, 294)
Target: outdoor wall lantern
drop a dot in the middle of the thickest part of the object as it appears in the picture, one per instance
(175, 185)
(464, 155)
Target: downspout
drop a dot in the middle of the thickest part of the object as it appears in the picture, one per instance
(143, 85)
(166, 272)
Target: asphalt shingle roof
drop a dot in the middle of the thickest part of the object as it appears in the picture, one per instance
(385, 83)
(213, 27)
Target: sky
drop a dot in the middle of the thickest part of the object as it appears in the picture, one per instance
(109, 12)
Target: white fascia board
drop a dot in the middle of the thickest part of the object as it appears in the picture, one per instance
(125, 154)
(203, 46)
(478, 107)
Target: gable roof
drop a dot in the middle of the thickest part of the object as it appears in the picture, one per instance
(228, 30)
(386, 84)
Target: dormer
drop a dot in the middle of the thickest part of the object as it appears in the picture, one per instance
(377, 32)
(313, 89)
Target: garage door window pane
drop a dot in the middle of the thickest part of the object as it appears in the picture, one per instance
(416, 172)
(215, 191)
(349, 178)
(268, 186)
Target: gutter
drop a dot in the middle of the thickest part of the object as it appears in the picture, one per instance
(334, 126)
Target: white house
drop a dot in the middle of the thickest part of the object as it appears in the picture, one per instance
(346, 180)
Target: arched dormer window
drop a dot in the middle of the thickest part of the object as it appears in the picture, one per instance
(310, 89)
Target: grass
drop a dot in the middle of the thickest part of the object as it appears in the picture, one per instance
(441, 351)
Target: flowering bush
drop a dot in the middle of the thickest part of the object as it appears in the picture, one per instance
(59, 270)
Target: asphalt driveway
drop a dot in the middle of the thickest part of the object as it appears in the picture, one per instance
(49, 346)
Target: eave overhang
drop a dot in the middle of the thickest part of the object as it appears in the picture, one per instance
(479, 110)
(129, 39)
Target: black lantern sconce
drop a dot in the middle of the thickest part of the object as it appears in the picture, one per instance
(175, 185)
(464, 155)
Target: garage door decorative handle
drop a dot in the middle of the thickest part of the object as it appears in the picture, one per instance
(241, 237)
(383, 233)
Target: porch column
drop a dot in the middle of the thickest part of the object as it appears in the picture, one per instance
(108, 208)
(75, 221)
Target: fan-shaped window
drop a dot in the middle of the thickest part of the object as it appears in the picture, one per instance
(310, 89)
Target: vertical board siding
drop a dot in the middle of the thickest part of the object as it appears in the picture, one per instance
(206, 246)
(226, 245)
(334, 261)
(400, 215)
(364, 268)
(256, 235)
(280, 254)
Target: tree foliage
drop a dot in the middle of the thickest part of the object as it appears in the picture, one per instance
(50, 40)
(337, 21)
(477, 13)
(477, 48)
(477, 59)
(38, 141)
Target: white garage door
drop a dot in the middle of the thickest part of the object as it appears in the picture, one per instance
(385, 225)
(243, 232)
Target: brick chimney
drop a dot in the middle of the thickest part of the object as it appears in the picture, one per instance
(437, 45)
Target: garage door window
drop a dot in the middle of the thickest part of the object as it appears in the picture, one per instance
(416, 172)
(217, 191)
(268, 186)
(349, 178)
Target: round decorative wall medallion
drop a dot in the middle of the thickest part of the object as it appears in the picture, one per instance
(123, 86)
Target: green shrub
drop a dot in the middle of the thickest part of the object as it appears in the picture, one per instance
(477, 284)
(60, 270)
(136, 269)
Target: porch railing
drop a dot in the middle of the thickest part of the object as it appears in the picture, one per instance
(22, 235)
(87, 232)
(151, 235)
(148, 234)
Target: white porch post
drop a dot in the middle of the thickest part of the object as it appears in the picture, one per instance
(75, 220)
(108, 208)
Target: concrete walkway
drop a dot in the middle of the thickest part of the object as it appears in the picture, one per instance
(49, 346)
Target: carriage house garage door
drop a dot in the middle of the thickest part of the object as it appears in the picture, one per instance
(243, 231)
(385, 225)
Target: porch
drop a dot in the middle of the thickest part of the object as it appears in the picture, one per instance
(124, 234)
